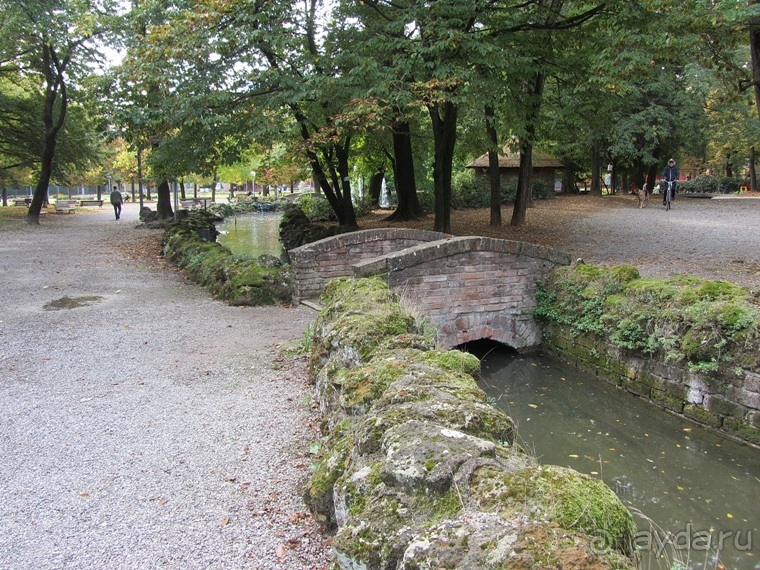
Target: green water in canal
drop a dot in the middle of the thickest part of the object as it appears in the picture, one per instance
(252, 234)
(684, 479)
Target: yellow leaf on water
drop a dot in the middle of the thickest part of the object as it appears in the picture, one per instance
(686, 429)
(533, 405)
(573, 455)
(729, 515)
(679, 487)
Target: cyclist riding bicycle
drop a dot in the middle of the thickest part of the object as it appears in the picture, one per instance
(671, 174)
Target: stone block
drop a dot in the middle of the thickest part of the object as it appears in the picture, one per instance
(742, 429)
(699, 414)
(719, 405)
(667, 400)
(743, 397)
(751, 381)
(639, 388)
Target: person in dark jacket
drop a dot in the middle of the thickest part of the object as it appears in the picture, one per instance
(671, 173)
(116, 202)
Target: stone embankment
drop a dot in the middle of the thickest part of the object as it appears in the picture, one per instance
(419, 471)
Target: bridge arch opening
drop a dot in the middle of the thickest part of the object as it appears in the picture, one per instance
(483, 347)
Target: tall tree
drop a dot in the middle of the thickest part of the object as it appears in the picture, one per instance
(52, 40)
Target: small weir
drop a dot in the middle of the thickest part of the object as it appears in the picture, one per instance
(252, 235)
(676, 477)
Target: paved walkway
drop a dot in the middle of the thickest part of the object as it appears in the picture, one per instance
(143, 424)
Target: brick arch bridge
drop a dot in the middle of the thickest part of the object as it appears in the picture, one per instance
(472, 288)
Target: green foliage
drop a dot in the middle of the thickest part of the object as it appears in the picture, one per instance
(702, 184)
(316, 208)
(706, 324)
(466, 192)
(363, 205)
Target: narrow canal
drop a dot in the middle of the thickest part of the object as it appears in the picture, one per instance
(252, 235)
(675, 477)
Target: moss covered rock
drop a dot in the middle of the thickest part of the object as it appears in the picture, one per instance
(420, 455)
(558, 495)
(359, 315)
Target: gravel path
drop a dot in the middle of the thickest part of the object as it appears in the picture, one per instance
(152, 426)
(714, 239)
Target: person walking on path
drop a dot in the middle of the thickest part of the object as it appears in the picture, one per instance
(116, 202)
(671, 173)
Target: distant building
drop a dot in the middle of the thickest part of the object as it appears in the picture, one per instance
(545, 167)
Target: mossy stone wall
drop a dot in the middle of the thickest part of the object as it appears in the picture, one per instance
(419, 471)
(727, 401)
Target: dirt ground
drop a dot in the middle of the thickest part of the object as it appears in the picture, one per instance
(715, 238)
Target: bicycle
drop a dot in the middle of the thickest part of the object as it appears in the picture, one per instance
(668, 195)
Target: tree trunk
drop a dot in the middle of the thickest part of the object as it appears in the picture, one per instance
(349, 214)
(164, 203)
(754, 44)
(406, 189)
(524, 181)
(652, 172)
(182, 190)
(494, 176)
(46, 169)
(55, 93)
(596, 170)
(524, 197)
(728, 170)
(444, 122)
(376, 187)
(752, 173)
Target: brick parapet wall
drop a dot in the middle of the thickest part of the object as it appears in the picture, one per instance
(471, 287)
(316, 263)
(729, 403)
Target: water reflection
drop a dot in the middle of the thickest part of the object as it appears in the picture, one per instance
(252, 234)
(680, 477)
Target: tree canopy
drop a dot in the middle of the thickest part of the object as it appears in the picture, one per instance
(412, 88)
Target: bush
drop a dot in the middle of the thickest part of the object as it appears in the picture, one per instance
(363, 205)
(469, 191)
(702, 184)
(427, 200)
(466, 192)
(727, 185)
(317, 208)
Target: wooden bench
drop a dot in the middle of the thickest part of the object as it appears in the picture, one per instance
(65, 206)
(98, 203)
(189, 204)
(25, 202)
